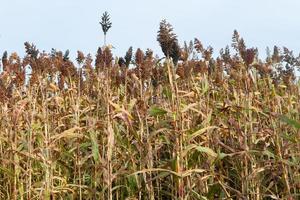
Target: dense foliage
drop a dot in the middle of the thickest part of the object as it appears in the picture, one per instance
(188, 126)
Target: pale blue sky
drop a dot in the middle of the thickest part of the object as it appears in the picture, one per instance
(73, 24)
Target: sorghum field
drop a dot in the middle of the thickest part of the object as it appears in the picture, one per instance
(190, 125)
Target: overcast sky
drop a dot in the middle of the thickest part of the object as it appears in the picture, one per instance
(73, 24)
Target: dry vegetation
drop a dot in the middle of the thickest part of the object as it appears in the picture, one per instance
(188, 126)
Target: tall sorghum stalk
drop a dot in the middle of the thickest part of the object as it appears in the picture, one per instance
(105, 24)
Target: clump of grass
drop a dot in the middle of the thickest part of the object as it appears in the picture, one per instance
(196, 128)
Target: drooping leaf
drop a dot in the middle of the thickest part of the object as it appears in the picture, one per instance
(206, 150)
(201, 131)
(68, 134)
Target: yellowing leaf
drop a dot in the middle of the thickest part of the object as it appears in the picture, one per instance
(69, 134)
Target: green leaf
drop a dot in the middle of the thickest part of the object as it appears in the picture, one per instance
(7, 172)
(290, 137)
(177, 174)
(213, 191)
(167, 92)
(155, 111)
(289, 121)
(132, 184)
(222, 155)
(95, 146)
(268, 153)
